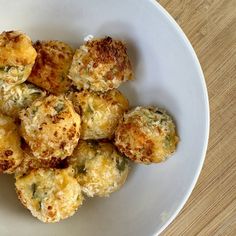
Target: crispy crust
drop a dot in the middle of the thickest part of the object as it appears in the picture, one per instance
(101, 65)
(108, 51)
(100, 112)
(6, 165)
(51, 66)
(146, 135)
(16, 49)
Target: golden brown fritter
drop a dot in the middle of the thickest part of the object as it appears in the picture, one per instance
(10, 151)
(101, 65)
(50, 126)
(50, 194)
(17, 57)
(100, 112)
(99, 168)
(146, 135)
(51, 67)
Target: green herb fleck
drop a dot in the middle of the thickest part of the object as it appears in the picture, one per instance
(162, 120)
(80, 169)
(34, 110)
(40, 205)
(33, 189)
(120, 165)
(89, 109)
(159, 112)
(167, 141)
(59, 107)
(7, 68)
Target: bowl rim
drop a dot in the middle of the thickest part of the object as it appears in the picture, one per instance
(158, 229)
(181, 33)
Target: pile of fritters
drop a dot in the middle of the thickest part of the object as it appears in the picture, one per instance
(65, 129)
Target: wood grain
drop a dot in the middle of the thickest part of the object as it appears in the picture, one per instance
(210, 25)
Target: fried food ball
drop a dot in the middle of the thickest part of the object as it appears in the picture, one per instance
(17, 57)
(18, 97)
(50, 194)
(99, 168)
(100, 112)
(50, 126)
(146, 135)
(30, 163)
(101, 65)
(51, 67)
(10, 151)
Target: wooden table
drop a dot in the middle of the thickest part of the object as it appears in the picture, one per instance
(210, 26)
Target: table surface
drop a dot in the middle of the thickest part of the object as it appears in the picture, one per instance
(210, 26)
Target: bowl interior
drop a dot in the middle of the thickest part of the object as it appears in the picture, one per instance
(167, 75)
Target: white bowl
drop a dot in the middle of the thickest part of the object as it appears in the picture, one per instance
(168, 74)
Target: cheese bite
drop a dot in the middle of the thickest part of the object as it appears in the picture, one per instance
(50, 194)
(101, 65)
(99, 168)
(51, 127)
(146, 135)
(100, 112)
